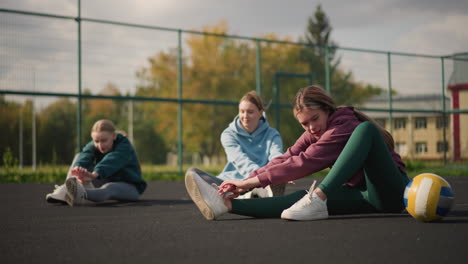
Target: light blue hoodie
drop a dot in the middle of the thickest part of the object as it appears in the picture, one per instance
(247, 152)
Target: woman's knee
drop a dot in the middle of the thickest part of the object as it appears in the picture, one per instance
(367, 126)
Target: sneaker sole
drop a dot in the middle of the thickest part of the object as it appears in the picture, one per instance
(50, 199)
(71, 191)
(194, 193)
(320, 216)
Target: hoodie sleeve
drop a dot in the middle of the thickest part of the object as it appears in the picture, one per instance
(276, 147)
(236, 155)
(316, 157)
(87, 156)
(299, 146)
(115, 160)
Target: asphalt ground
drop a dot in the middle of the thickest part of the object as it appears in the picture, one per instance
(166, 227)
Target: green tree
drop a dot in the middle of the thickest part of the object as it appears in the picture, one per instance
(57, 132)
(214, 68)
(149, 145)
(96, 109)
(343, 88)
(9, 126)
(14, 113)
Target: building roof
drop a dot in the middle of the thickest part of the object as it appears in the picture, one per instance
(424, 102)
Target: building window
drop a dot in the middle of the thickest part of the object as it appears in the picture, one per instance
(441, 122)
(400, 123)
(421, 147)
(400, 148)
(420, 122)
(380, 121)
(442, 146)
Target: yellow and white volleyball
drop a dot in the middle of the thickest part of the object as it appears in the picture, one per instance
(428, 197)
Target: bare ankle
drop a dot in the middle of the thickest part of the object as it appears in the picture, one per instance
(228, 204)
(320, 194)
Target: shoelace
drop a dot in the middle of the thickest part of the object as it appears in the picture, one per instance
(312, 187)
(307, 199)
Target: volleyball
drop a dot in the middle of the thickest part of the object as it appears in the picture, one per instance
(428, 197)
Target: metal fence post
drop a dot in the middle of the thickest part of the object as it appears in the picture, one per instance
(390, 101)
(259, 68)
(444, 109)
(78, 118)
(179, 104)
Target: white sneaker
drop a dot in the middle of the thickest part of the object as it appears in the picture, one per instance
(76, 193)
(247, 195)
(309, 207)
(262, 192)
(257, 193)
(58, 195)
(205, 196)
(88, 185)
(277, 189)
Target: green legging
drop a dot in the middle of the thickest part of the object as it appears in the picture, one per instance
(383, 190)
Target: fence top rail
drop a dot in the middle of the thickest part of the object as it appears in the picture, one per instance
(79, 19)
(212, 102)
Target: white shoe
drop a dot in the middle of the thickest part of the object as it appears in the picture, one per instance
(58, 195)
(88, 185)
(76, 193)
(257, 193)
(309, 207)
(247, 195)
(205, 196)
(277, 189)
(262, 192)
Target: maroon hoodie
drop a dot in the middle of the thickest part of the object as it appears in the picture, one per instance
(309, 155)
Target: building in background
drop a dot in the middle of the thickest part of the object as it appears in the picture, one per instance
(417, 135)
(426, 135)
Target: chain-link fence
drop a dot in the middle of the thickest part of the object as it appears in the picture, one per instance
(173, 91)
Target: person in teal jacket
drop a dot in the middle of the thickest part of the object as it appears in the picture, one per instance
(106, 169)
(249, 143)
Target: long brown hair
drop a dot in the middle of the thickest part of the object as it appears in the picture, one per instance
(314, 97)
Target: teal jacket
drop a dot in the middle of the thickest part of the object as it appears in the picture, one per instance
(247, 152)
(119, 165)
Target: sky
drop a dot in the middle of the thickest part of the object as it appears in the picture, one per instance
(431, 27)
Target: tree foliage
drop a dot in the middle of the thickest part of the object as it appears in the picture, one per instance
(214, 68)
(344, 89)
(56, 131)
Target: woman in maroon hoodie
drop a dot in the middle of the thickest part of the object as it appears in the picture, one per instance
(366, 174)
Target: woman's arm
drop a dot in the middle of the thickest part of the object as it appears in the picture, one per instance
(86, 157)
(236, 155)
(121, 156)
(238, 186)
(276, 146)
(318, 156)
(299, 146)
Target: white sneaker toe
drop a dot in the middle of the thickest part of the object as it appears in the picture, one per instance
(205, 196)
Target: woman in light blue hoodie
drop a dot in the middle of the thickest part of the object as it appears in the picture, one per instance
(250, 143)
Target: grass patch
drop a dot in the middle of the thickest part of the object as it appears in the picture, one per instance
(57, 174)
